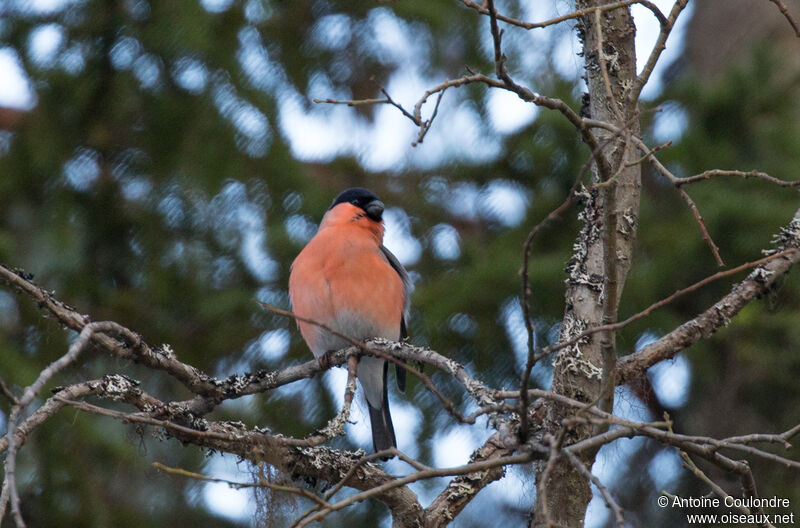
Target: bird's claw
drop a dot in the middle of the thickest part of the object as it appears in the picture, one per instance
(326, 360)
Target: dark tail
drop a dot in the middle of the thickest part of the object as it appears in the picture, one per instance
(381, 420)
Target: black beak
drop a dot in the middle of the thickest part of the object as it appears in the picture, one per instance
(374, 210)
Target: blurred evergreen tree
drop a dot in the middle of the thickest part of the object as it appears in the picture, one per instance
(155, 183)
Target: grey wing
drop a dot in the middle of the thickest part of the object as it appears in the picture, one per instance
(407, 287)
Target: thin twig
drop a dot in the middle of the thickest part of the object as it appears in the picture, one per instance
(396, 105)
(5, 391)
(335, 426)
(526, 309)
(607, 498)
(570, 16)
(423, 129)
(357, 102)
(703, 229)
(678, 182)
(414, 477)
(785, 11)
(379, 455)
(661, 43)
(707, 175)
(689, 464)
(241, 485)
(9, 490)
(142, 418)
(555, 445)
(663, 302)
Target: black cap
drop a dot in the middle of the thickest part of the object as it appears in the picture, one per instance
(363, 198)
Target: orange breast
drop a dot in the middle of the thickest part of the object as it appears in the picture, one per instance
(342, 280)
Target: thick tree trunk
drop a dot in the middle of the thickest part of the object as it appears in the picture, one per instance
(601, 261)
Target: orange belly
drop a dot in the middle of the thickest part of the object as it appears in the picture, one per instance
(342, 280)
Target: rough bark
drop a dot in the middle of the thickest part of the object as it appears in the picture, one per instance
(600, 262)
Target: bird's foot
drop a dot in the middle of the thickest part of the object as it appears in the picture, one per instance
(326, 360)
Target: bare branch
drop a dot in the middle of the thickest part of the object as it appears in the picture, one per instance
(782, 438)
(5, 391)
(241, 485)
(9, 490)
(555, 445)
(785, 11)
(707, 175)
(159, 359)
(658, 48)
(447, 403)
(143, 418)
(362, 102)
(50, 408)
(380, 455)
(439, 89)
(703, 229)
(791, 253)
(705, 324)
(335, 426)
(423, 130)
(689, 464)
(320, 463)
(702, 445)
(462, 489)
(679, 182)
(414, 477)
(570, 16)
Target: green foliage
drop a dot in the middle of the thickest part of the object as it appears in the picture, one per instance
(153, 184)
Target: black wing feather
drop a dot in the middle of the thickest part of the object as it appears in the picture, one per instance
(400, 372)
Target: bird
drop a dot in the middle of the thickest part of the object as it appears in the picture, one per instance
(347, 280)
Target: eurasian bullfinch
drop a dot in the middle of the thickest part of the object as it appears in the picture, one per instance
(347, 280)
